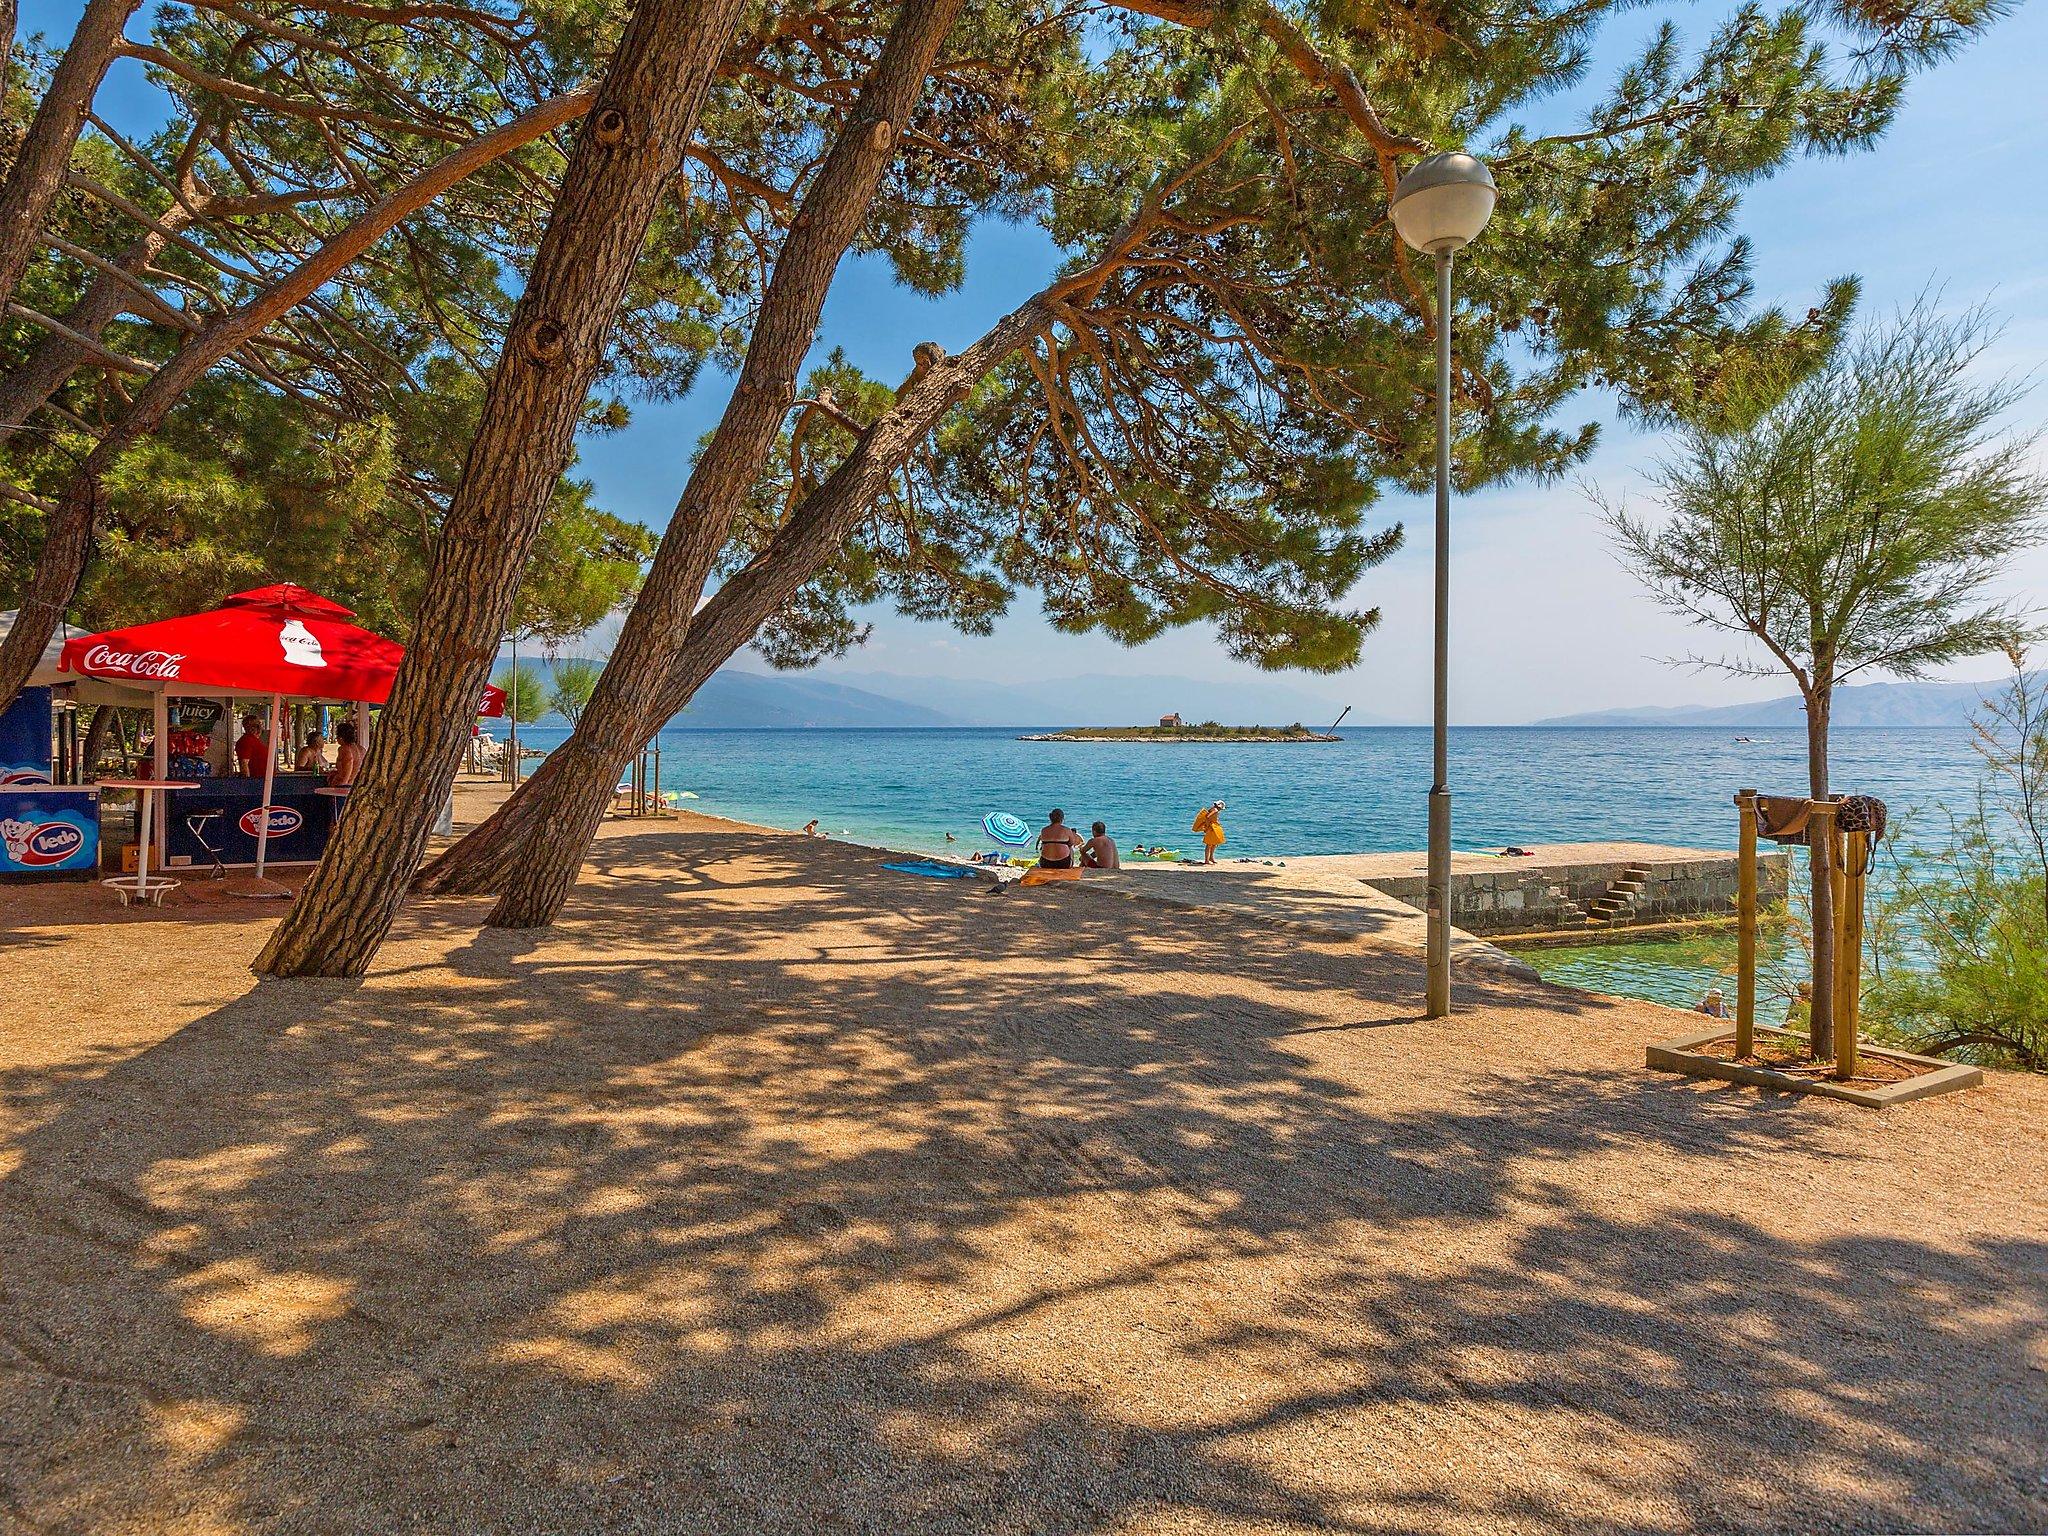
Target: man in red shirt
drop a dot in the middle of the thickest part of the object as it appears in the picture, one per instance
(252, 751)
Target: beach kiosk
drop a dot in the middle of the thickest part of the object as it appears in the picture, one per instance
(49, 828)
(272, 644)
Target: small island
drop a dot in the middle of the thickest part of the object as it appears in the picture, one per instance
(1171, 728)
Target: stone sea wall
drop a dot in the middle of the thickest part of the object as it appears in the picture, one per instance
(1596, 896)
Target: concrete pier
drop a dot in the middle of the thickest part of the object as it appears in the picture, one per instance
(1587, 888)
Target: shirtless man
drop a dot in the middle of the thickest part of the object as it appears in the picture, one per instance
(348, 758)
(1057, 842)
(1099, 852)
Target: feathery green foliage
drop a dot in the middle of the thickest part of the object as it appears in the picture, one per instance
(572, 681)
(526, 692)
(1959, 950)
(1854, 523)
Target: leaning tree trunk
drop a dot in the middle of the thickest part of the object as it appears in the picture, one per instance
(486, 857)
(625, 157)
(95, 741)
(1821, 1027)
(39, 168)
(614, 722)
(70, 527)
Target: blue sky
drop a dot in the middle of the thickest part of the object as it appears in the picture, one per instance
(1543, 620)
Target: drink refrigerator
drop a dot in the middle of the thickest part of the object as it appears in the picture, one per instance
(46, 830)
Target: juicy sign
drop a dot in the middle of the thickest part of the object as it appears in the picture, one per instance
(158, 664)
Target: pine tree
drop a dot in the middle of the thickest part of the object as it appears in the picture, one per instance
(1190, 425)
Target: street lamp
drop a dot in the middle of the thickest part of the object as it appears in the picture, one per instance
(1439, 208)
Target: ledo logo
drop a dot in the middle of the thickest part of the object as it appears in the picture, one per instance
(159, 664)
(283, 819)
(38, 844)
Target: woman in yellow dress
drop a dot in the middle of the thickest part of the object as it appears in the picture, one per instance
(1209, 822)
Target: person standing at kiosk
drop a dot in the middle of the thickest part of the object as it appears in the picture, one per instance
(252, 751)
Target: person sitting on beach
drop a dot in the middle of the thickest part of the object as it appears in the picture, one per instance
(312, 756)
(811, 828)
(348, 757)
(1099, 852)
(1057, 842)
(1209, 822)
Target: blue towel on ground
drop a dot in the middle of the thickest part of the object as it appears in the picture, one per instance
(933, 871)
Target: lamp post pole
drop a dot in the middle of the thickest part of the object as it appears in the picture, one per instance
(1439, 208)
(1437, 903)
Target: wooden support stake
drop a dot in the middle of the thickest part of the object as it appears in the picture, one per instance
(1820, 837)
(1849, 987)
(1745, 924)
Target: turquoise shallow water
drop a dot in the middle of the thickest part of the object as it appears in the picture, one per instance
(908, 788)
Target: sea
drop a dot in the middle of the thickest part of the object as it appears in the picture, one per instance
(1365, 793)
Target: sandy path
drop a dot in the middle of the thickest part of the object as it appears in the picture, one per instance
(769, 1193)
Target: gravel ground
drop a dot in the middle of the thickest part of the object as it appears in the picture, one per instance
(772, 1193)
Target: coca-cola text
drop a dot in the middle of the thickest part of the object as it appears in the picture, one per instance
(158, 664)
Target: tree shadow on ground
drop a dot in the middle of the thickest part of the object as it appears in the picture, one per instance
(771, 1193)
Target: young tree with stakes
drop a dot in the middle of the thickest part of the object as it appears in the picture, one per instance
(1854, 525)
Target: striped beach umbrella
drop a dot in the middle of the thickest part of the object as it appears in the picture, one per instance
(1005, 828)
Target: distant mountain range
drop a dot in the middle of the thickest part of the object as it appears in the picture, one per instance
(1108, 699)
(796, 701)
(845, 700)
(1921, 704)
(753, 699)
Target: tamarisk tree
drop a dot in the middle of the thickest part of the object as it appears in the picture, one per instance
(1188, 425)
(1854, 525)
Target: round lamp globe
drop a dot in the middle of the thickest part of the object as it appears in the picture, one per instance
(1443, 202)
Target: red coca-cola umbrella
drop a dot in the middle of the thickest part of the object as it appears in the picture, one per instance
(278, 639)
(281, 640)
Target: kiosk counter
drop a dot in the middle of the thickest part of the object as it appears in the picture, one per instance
(221, 818)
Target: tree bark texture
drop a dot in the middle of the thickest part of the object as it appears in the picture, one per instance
(486, 858)
(45, 155)
(69, 528)
(613, 727)
(95, 740)
(625, 159)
